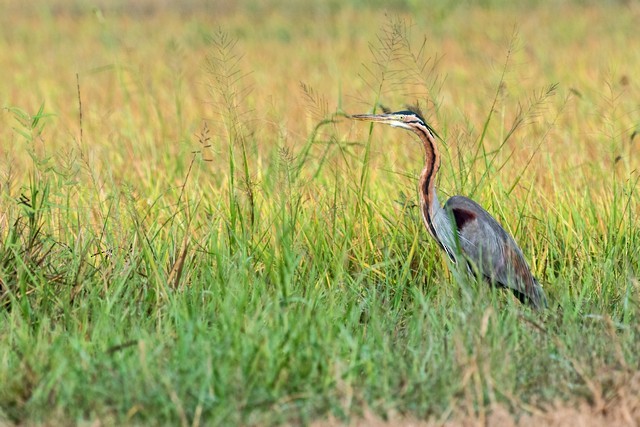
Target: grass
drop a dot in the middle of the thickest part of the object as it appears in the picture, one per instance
(193, 233)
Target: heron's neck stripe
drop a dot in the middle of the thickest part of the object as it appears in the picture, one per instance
(428, 175)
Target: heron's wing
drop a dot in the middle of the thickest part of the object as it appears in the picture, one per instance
(491, 249)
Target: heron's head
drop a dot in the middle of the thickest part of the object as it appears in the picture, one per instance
(410, 119)
(406, 119)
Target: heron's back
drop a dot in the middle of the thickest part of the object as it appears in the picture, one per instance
(491, 249)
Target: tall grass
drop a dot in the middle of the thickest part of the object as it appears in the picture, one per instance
(188, 253)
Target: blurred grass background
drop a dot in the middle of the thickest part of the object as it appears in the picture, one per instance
(212, 242)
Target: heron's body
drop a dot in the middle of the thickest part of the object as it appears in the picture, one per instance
(462, 228)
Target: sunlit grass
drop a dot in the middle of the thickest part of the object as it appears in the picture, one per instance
(213, 242)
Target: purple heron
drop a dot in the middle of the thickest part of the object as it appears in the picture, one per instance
(463, 228)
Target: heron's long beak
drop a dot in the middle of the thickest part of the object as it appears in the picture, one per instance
(380, 118)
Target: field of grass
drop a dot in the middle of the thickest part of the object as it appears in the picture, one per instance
(193, 233)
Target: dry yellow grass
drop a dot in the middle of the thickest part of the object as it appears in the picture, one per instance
(622, 408)
(565, 185)
(135, 71)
